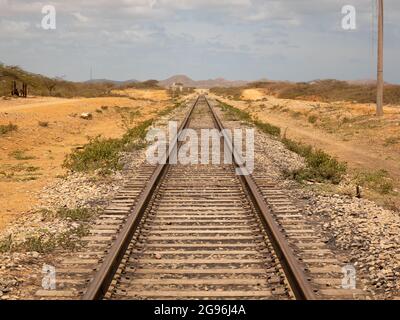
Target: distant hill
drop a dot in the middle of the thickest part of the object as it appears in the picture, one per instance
(114, 82)
(39, 85)
(366, 82)
(211, 83)
(330, 90)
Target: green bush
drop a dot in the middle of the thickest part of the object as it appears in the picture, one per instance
(99, 153)
(42, 244)
(235, 113)
(321, 167)
(378, 181)
(47, 243)
(299, 148)
(79, 214)
(268, 128)
(104, 154)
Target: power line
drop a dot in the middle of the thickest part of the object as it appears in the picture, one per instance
(372, 44)
(380, 81)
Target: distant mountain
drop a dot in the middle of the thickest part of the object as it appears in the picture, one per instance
(185, 80)
(211, 83)
(114, 82)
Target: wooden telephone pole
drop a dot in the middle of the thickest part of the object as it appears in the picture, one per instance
(380, 81)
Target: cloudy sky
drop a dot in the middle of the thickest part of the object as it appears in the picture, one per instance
(236, 39)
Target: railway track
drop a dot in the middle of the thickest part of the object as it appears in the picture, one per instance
(201, 232)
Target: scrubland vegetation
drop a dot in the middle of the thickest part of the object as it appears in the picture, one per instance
(320, 166)
(321, 90)
(39, 85)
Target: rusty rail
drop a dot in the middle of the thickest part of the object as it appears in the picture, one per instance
(110, 264)
(103, 277)
(293, 271)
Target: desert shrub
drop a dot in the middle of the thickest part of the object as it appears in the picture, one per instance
(312, 119)
(78, 214)
(41, 244)
(235, 113)
(268, 128)
(4, 129)
(168, 110)
(295, 114)
(378, 181)
(46, 243)
(321, 167)
(43, 86)
(98, 154)
(329, 91)
(233, 92)
(20, 155)
(6, 244)
(391, 141)
(104, 154)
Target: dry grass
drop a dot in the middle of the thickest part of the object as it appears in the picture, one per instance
(4, 129)
(234, 93)
(39, 85)
(19, 185)
(329, 91)
(350, 132)
(321, 167)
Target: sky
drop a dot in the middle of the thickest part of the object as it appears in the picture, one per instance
(297, 40)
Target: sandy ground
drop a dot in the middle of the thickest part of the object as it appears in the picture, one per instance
(351, 132)
(157, 95)
(252, 94)
(31, 157)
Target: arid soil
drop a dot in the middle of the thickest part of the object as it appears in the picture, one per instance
(350, 132)
(358, 230)
(21, 270)
(48, 129)
(157, 95)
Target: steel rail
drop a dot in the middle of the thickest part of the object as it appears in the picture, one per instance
(293, 271)
(110, 264)
(99, 285)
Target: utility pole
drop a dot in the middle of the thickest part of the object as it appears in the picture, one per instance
(380, 81)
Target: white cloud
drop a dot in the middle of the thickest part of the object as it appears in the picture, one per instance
(174, 30)
(80, 17)
(14, 28)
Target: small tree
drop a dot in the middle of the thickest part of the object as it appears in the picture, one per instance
(50, 84)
